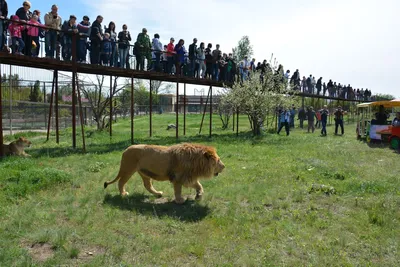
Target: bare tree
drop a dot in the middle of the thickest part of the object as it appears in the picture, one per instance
(99, 98)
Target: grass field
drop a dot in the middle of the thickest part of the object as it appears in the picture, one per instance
(302, 200)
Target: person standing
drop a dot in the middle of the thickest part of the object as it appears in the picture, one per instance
(339, 120)
(284, 119)
(123, 45)
(96, 39)
(3, 15)
(53, 21)
(302, 117)
(111, 30)
(84, 32)
(144, 49)
(310, 117)
(324, 119)
(157, 50)
(292, 115)
(216, 54)
(25, 15)
(192, 57)
(69, 28)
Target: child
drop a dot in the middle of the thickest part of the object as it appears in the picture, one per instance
(33, 33)
(15, 29)
(107, 49)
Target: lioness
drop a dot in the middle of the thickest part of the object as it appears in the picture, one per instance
(17, 147)
(182, 164)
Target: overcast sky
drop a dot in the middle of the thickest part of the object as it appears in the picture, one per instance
(349, 41)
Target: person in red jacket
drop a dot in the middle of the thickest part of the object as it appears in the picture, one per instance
(15, 29)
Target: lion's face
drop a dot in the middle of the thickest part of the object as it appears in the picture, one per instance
(219, 167)
(22, 141)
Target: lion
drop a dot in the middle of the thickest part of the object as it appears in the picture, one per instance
(181, 164)
(17, 147)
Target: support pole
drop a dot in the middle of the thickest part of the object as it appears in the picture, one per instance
(73, 109)
(211, 110)
(51, 107)
(111, 106)
(74, 94)
(151, 110)
(184, 109)
(81, 117)
(11, 112)
(132, 110)
(233, 121)
(56, 107)
(237, 122)
(204, 112)
(177, 112)
(1, 118)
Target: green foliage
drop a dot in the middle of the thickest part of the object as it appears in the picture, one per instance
(35, 95)
(257, 99)
(21, 177)
(244, 48)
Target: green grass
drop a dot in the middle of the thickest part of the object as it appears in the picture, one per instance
(302, 200)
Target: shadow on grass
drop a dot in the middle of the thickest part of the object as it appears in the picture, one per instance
(190, 211)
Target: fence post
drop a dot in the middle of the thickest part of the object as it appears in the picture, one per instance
(111, 107)
(1, 117)
(211, 110)
(56, 107)
(132, 110)
(177, 111)
(151, 110)
(184, 109)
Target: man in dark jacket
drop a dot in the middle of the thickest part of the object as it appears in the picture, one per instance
(319, 86)
(69, 28)
(192, 57)
(301, 116)
(3, 29)
(84, 32)
(324, 119)
(339, 120)
(96, 38)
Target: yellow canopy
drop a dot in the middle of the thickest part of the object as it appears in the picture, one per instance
(386, 104)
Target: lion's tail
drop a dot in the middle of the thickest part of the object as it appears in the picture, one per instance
(113, 181)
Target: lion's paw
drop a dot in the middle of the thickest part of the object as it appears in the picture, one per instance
(159, 194)
(179, 200)
(125, 194)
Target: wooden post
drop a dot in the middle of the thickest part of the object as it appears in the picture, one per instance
(1, 118)
(56, 108)
(237, 122)
(81, 117)
(177, 111)
(211, 110)
(51, 107)
(184, 109)
(204, 112)
(132, 110)
(233, 121)
(151, 110)
(74, 94)
(111, 106)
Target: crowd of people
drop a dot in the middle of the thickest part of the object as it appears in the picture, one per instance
(315, 119)
(113, 48)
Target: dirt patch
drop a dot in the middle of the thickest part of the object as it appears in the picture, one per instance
(41, 251)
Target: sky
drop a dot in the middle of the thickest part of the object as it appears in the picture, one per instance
(349, 41)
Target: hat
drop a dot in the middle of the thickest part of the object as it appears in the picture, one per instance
(86, 18)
